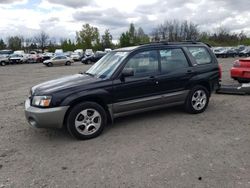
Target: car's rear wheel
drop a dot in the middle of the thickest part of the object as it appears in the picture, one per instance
(197, 100)
(68, 63)
(86, 120)
(50, 64)
(2, 63)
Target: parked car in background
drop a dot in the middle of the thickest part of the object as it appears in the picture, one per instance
(241, 70)
(75, 56)
(18, 58)
(58, 60)
(231, 52)
(47, 55)
(34, 57)
(225, 52)
(4, 60)
(107, 50)
(68, 53)
(6, 53)
(21, 52)
(79, 51)
(93, 58)
(126, 81)
(219, 52)
(4, 57)
(89, 52)
(59, 52)
(245, 52)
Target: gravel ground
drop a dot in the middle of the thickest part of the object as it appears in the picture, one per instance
(165, 148)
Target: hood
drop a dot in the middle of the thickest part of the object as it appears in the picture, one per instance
(66, 82)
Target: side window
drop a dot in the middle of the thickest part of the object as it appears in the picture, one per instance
(173, 59)
(144, 63)
(200, 54)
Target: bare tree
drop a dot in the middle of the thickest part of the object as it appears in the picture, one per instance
(173, 30)
(42, 39)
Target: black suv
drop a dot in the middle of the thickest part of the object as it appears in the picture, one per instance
(126, 81)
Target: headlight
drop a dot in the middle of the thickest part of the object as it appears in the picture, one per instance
(43, 101)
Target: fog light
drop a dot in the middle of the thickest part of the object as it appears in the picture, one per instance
(32, 122)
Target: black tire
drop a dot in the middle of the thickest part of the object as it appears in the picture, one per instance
(50, 64)
(75, 113)
(189, 104)
(68, 63)
(2, 63)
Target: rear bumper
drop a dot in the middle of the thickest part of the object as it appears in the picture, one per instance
(240, 73)
(45, 117)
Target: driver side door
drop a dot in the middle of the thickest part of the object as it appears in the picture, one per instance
(140, 90)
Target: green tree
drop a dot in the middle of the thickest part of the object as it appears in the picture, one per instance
(106, 41)
(88, 36)
(141, 37)
(2, 44)
(125, 39)
(67, 45)
(15, 42)
(133, 37)
(132, 34)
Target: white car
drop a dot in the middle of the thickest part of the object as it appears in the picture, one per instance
(89, 52)
(17, 59)
(75, 56)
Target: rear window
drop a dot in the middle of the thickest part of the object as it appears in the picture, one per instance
(200, 54)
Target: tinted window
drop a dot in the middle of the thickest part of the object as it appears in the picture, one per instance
(200, 54)
(172, 59)
(144, 63)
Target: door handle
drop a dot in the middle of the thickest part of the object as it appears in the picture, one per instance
(153, 79)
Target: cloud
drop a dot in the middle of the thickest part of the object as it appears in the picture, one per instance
(61, 18)
(108, 17)
(11, 1)
(72, 3)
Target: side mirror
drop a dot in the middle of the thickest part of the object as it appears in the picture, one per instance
(127, 72)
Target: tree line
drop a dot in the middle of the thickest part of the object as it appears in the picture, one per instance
(90, 37)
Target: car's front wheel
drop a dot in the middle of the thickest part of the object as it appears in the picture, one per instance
(2, 63)
(197, 100)
(86, 120)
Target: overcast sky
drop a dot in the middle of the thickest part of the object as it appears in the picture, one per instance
(61, 18)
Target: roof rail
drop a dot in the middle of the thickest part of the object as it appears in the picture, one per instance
(165, 42)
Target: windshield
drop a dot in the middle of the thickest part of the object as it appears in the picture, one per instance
(106, 66)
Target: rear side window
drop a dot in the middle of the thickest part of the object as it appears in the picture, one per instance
(172, 60)
(200, 54)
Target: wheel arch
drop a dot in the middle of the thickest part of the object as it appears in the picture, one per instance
(207, 85)
(94, 99)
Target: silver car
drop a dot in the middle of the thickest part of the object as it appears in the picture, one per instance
(58, 60)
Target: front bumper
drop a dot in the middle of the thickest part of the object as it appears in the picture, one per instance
(45, 117)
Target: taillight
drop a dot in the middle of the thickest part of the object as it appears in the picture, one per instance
(237, 63)
(220, 72)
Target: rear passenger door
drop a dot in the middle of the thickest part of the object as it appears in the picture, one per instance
(176, 72)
